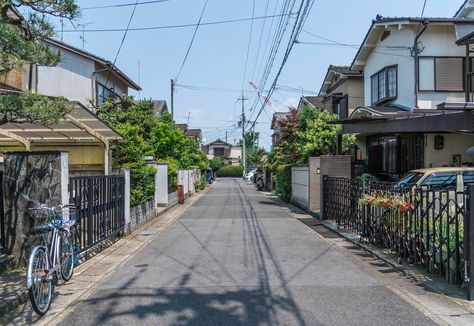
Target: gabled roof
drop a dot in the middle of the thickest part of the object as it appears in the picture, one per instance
(182, 126)
(315, 102)
(465, 8)
(379, 25)
(343, 72)
(220, 142)
(278, 116)
(195, 133)
(104, 62)
(159, 106)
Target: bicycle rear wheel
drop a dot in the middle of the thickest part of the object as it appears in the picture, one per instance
(40, 287)
(66, 253)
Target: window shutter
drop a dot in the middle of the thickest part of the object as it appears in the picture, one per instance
(449, 74)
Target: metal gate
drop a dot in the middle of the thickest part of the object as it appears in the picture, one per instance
(100, 208)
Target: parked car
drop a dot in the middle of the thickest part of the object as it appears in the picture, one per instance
(438, 177)
(249, 176)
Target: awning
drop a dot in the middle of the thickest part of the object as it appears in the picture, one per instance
(79, 126)
(429, 121)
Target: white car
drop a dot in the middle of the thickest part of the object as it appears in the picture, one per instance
(249, 175)
(438, 177)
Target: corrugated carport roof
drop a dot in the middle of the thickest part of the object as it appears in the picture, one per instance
(79, 126)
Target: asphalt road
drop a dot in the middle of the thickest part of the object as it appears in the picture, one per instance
(235, 258)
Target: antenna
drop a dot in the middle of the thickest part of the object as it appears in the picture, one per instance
(83, 37)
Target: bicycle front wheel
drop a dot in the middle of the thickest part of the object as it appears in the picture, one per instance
(66, 253)
(40, 287)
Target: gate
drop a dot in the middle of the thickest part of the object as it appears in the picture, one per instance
(100, 208)
(424, 226)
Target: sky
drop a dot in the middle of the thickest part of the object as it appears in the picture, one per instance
(219, 52)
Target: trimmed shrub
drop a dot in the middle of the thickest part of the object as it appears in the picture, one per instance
(283, 181)
(230, 171)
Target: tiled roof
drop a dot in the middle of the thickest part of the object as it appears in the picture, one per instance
(196, 133)
(345, 70)
(314, 101)
(182, 126)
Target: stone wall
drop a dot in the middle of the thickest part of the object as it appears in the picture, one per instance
(141, 214)
(172, 198)
(30, 179)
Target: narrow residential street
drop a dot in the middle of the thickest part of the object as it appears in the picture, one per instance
(236, 258)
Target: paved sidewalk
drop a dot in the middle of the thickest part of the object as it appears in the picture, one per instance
(87, 276)
(444, 303)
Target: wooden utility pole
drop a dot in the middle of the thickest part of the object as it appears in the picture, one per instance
(244, 157)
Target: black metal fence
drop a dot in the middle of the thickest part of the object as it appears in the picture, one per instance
(100, 208)
(423, 226)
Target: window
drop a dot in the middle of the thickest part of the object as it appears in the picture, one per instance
(384, 85)
(449, 74)
(219, 151)
(445, 179)
(104, 93)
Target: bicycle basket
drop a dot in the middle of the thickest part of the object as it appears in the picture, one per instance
(68, 214)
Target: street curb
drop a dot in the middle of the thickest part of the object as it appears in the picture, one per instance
(8, 306)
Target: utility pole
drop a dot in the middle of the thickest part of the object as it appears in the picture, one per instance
(226, 136)
(244, 157)
(172, 103)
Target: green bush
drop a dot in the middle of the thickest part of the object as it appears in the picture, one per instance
(203, 181)
(230, 171)
(283, 181)
(217, 162)
(142, 184)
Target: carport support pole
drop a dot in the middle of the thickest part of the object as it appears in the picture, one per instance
(469, 243)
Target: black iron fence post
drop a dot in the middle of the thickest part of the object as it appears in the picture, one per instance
(469, 243)
(323, 197)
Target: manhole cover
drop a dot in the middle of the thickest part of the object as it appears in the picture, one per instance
(149, 232)
(141, 265)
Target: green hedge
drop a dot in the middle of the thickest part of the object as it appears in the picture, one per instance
(283, 181)
(230, 171)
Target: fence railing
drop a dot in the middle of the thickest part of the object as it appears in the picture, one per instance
(423, 226)
(100, 207)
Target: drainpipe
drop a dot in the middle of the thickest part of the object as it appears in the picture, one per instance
(415, 53)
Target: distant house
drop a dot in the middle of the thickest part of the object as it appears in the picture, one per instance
(417, 109)
(276, 126)
(342, 90)
(314, 102)
(159, 106)
(195, 134)
(80, 76)
(220, 148)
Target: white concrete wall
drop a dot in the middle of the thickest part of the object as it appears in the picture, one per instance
(453, 144)
(74, 78)
(300, 186)
(236, 152)
(71, 78)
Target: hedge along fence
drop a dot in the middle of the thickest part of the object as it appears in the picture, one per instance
(230, 171)
(283, 181)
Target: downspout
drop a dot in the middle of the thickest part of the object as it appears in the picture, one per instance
(415, 54)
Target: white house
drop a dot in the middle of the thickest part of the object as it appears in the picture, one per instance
(414, 80)
(220, 148)
(80, 76)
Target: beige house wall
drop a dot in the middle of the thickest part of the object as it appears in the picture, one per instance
(454, 144)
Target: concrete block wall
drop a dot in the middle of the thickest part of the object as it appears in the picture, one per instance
(336, 165)
(140, 214)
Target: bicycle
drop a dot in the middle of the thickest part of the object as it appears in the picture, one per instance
(52, 259)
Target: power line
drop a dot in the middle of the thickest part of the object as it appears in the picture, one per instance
(219, 22)
(248, 45)
(123, 41)
(124, 5)
(192, 40)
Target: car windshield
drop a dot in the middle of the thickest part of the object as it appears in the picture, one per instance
(440, 179)
(410, 179)
(468, 177)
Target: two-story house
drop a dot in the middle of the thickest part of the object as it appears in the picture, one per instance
(342, 90)
(219, 148)
(413, 75)
(276, 126)
(80, 76)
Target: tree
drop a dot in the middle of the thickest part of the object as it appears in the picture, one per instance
(217, 163)
(145, 134)
(21, 43)
(253, 153)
